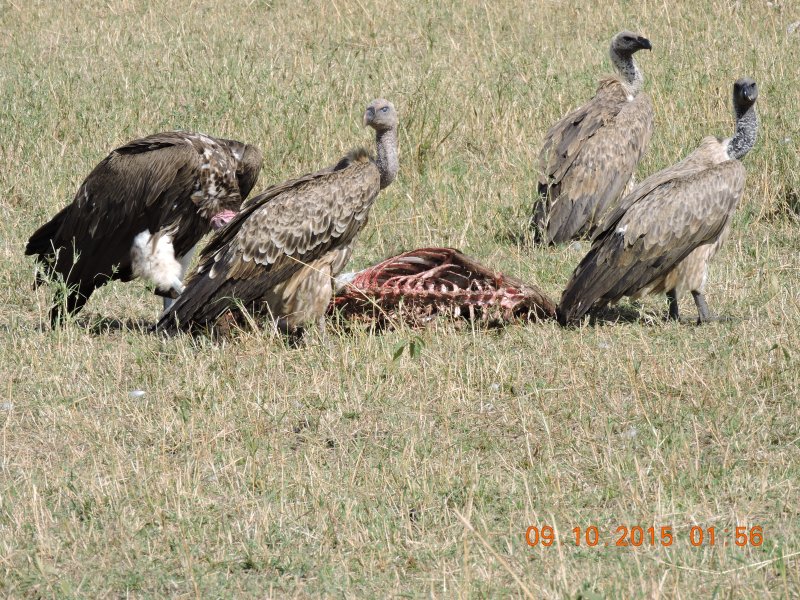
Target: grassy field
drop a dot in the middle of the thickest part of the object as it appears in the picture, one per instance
(249, 468)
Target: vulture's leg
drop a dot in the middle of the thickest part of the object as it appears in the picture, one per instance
(171, 294)
(168, 302)
(58, 314)
(704, 315)
(282, 326)
(293, 335)
(68, 302)
(674, 312)
(538, 219)
(323, 329)
(297, 335)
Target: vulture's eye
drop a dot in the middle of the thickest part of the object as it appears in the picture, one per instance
(385, 109)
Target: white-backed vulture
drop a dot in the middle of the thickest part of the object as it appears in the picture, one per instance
(278, 257)
(591, 154)
(662, 235)
(141, 211)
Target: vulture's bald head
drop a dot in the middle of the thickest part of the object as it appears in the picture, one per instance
(625, 43)
(745, 93)
(381, 115)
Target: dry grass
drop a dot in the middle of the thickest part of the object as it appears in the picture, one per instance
(250, 468)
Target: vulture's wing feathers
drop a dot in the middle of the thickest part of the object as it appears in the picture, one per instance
(144, 184)
(278, 232)
(705, 157)
(564, 139)
(152, 142)
(588, 158)
(659, 230)
(111, 207)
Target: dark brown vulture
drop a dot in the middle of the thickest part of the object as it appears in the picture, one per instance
(591, 154)
(418, 285)
(278, 257)
(662, 235)
(141, 211)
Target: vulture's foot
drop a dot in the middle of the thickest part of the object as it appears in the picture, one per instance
(302, 335)
(171, 294)
(282, 326)
(294, 337)
(712, 318)
(706, 316)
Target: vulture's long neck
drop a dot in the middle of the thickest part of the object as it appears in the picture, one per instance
(629, 70)
(744, 138)
(387, 159)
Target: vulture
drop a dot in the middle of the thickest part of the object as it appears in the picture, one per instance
(591, 154)
(662, 236)
(140, 213)
(418, 285)
(279, 255)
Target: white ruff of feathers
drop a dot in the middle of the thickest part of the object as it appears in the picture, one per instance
(154, 260)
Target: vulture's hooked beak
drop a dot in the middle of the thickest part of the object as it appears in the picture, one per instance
(645, 43)
(369, 115)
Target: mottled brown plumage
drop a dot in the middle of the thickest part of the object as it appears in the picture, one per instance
(278, 256)
(590, 155)
(168, 187)
(662, 235)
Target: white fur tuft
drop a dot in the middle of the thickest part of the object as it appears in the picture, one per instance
(153, 258)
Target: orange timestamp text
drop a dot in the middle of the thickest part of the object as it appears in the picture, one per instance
(636, 536)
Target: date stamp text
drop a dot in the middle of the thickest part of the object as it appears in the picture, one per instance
(636, 536)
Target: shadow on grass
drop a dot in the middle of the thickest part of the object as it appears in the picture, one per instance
(617, 315)
(108, 325)
(235, 324)
(635, 313)
(625, 313)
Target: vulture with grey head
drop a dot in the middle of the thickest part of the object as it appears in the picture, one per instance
(591, 154)
(279, 255)
(662, 236)
(140, 213)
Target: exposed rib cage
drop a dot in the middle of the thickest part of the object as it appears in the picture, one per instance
(418, 285)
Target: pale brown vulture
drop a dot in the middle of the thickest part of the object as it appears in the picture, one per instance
(590, 155)
(662, 235)
(278, 256)
(141, 211)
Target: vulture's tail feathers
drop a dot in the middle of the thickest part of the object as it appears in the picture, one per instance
(594, 277)
(194, 309)
(42, 242)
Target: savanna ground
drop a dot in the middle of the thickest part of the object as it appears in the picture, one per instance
(334, 469)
